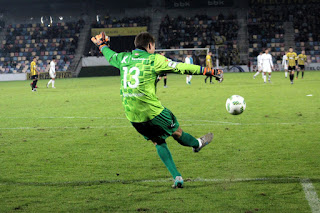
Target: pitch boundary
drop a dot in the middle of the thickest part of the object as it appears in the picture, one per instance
(311, 195)
(308, 188)
(199, 179)
(126, 126)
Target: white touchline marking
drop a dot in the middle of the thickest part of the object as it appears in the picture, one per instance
(211, 122)
(126, 126)
(70, 117)
(66, 127)
(208, 121)
(311, 195)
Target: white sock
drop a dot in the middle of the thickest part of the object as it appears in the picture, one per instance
(52, 83)
(49, 82)
(187, 79)
(269, 78)
(286, 74)
(200, 143)
(257, 73)
(264, 78)
(190, 76)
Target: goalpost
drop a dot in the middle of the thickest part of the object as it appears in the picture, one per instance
(198, 55)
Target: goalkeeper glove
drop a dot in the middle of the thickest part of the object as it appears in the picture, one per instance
(100, 40)
(208, 71)
(217, 73)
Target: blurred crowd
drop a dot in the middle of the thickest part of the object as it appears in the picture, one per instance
(112, 22)
(266, 28)
(2, 24)
(201, 31)
(266, 22)
(108, 22)
(306, 20)
(24, 41)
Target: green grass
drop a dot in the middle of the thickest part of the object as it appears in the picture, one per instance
(72, 149)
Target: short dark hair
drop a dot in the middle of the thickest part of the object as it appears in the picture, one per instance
(143, 39)
(53, 58)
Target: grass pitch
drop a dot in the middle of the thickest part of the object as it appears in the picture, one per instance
(71, 149)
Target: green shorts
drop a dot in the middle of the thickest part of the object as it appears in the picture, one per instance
(159, 128)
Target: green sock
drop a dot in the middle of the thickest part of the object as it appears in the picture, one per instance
(165, 155)
(188, 140)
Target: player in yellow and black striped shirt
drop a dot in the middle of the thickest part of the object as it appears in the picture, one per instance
(34, 74)
(209, 64)
(292, 63)
(302, 58)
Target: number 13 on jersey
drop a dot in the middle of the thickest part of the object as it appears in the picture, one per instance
(135, 77)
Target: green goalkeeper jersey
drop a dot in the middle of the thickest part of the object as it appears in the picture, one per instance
(138, 73)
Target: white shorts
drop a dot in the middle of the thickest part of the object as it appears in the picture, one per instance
(285, 67)
(52, 75)
(267, 69)
(259, 67)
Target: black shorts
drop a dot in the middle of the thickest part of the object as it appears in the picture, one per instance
(163, 74)
(301, 67)
(292, 68)
(34, 77)
(159, 128)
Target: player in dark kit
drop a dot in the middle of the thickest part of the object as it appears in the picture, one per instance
(209, 65)
(163, 75)
(34, 74)
(302, 58)
(292, 62)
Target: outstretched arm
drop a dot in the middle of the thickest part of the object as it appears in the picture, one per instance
(101, 41)
(163, 65)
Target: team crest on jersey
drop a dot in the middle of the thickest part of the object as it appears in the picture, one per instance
(136, 54)
(124, 60)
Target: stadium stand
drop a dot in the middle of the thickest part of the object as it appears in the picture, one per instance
(266, 26)
(307, 32)
(112, 22)
(2, 24)
(202, 31)
(24, 41)
(109, 22)
(265, 30)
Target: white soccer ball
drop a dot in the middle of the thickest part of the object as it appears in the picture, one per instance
(235, 105)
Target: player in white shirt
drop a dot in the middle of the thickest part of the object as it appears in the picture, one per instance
(267, 65)
(259, 65)
(188, 60)
(52, 72)
(285, 64)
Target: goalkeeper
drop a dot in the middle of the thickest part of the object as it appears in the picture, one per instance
(138, 72)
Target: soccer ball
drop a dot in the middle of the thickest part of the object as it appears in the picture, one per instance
(235, 105)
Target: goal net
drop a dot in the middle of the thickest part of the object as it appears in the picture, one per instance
(179, 55)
